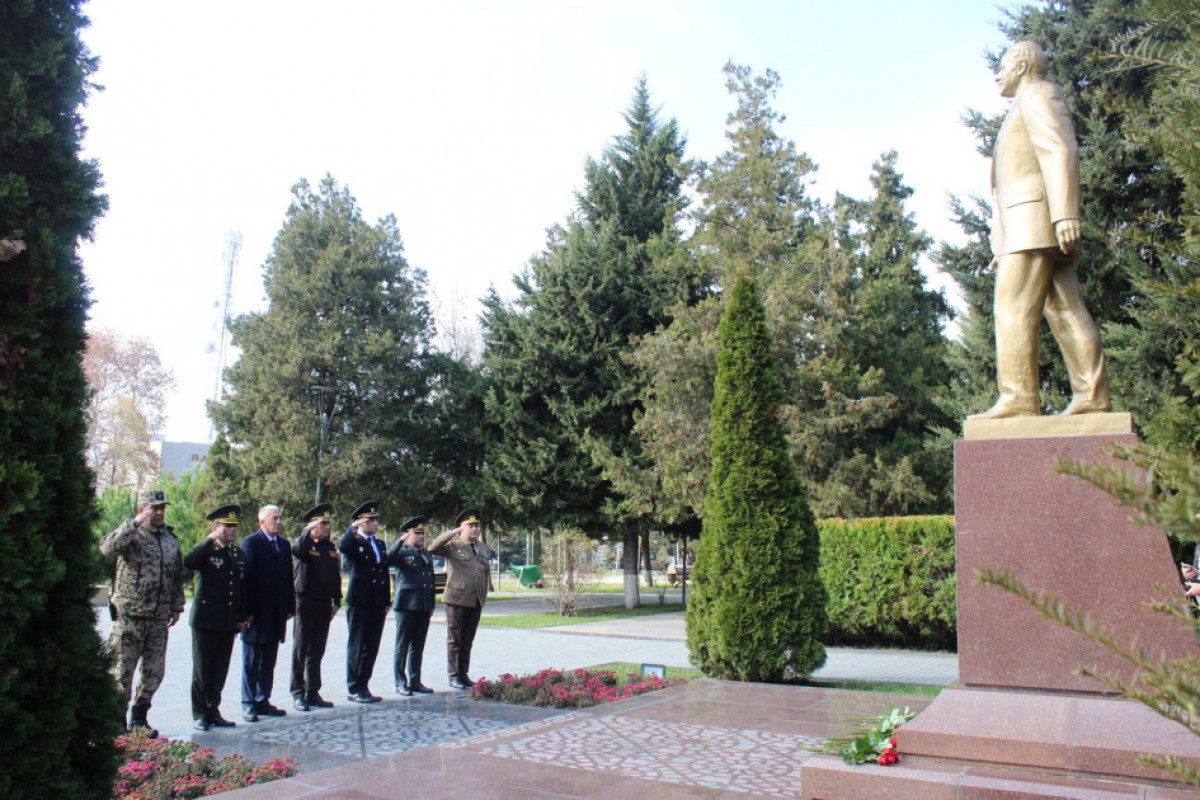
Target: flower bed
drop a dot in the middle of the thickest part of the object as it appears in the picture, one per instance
(555, 688)
(162, 769)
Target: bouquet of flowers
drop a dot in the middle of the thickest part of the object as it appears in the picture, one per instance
(876, 742)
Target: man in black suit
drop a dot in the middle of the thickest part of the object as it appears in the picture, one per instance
(218, 613)
(366, 599)
(272, 602)
(318, 598)
(413, 605)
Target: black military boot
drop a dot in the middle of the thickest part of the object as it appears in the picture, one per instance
(137, 719)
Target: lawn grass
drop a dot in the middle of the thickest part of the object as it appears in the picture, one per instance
(923, 689)
(623, 668)
(552, 619)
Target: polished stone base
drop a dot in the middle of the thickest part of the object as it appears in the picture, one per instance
(1072, 734)
(1062, 536)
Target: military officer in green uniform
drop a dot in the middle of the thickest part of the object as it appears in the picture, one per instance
(468, 581)
(413, 605)
(219, 612)
(147, 599)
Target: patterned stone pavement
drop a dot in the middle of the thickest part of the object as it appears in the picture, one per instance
(707, 739)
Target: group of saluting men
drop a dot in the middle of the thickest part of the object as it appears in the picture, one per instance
(257, 587)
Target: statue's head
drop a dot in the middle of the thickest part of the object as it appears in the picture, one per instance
(1023, 59)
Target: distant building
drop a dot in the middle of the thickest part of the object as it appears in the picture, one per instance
(178, 457)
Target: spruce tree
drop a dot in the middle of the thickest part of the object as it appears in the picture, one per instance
(758, 609)
(344, 345)
(561, 399)
(59, 707)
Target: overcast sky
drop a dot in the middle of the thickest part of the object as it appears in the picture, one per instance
(470, 121)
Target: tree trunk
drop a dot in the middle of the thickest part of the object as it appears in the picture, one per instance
(646, 558)
(629, 562)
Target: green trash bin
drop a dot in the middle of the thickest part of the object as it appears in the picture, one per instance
(528, 575)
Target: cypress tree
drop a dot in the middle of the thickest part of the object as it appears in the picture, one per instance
(59, 708)
(758, 611)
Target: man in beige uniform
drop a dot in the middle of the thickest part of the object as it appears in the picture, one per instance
(1035, 238)
(468, 580)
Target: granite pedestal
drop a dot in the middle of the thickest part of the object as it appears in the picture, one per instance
(1022, 707)
(1023, 704)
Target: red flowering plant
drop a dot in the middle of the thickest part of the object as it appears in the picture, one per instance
(876, 743)
(556, 688)
(172, 769)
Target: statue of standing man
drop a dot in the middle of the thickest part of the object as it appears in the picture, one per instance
(1035, 239)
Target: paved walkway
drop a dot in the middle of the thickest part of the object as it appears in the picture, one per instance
(341, 737)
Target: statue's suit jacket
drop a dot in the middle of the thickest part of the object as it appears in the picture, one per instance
(1035, 171)
(468, 573)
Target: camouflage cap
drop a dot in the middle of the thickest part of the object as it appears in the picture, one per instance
(152, 497)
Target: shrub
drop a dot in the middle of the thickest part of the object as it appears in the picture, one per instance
(555, 688)
(758, 611)
(891, 581)
(175, 769)
(59, 708)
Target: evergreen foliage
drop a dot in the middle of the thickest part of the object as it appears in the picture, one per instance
(347, 337)
(1164, 327)
(857, 339)
(561, 399)
(758, 608)
(914, 558)
(59, 708)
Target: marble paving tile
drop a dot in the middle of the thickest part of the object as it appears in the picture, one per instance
(705, 756)
(379, 733)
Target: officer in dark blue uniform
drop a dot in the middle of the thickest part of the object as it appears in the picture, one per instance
(367, 599)
(413, 605)
(318, 573)
(219, 612)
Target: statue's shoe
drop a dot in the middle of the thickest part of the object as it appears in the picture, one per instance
(1080, 405)
(1008, 408)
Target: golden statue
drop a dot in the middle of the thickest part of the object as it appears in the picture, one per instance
(1035, 239)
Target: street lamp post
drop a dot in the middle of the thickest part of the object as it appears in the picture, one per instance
(326, 407)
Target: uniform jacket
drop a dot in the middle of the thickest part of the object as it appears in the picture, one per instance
(414, 577)
(220, 600)
(318, 570)
(468, 574)
(1035, 171)
(149, 581)
(270, 595)
(370, 581)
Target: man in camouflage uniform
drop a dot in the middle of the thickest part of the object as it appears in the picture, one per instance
(147, 599)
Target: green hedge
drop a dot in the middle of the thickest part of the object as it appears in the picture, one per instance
(890, 581)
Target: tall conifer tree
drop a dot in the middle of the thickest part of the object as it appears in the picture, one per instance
(856, 335)
(561, 393)
(346, 342)
(59, 707)
(758, 610)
